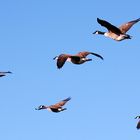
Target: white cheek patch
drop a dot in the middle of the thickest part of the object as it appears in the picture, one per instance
(56, 58)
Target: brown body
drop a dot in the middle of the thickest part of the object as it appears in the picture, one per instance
(79, 58)
(116, 33)
(4, 73)
(56, 107)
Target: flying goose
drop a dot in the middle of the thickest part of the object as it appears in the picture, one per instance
(116, 33)
(79, 58)
(56, 107)
(138, 124)
(4, 73)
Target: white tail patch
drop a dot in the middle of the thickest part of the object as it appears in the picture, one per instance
(83, 59)
(69, 59)
(59, 109)
(49, 109)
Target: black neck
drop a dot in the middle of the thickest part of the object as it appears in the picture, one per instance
(101, 33)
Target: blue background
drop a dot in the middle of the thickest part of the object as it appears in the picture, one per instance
(105, 94)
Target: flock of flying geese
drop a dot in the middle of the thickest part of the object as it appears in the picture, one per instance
(116, 33)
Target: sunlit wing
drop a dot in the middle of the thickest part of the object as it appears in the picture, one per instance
(125, 27)
(60, 104)
(84, 54)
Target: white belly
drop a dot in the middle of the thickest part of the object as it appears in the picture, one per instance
(115, 36)
(49, 109)
(121, 37)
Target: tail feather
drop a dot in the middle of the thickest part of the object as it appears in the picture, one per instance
(89, 60)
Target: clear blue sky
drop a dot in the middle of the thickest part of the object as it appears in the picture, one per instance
(105, 94)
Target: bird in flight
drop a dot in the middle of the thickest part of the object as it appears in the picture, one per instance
(58, 107)
(138, 124)
(4, 73)
(79, 58)
(116, 33)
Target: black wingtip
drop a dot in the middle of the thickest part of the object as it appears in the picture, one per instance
(10, 72)
(67, 99)
(59, 67)
(138, 19)
(98, 20)
(101, 57)
(97, 55)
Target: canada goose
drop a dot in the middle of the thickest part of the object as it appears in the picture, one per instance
(116, 33)
(138, 124)
(79, 58)
(56, 107)
(4, 73)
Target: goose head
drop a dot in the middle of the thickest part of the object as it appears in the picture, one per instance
(55, 58)
(41, 107)
(137, 117)
(98, 32)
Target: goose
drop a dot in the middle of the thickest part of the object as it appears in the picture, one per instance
(116, 33)
(138, 124)
(56, 107)
(79, 58)
(4, 73)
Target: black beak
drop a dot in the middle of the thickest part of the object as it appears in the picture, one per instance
(54, 58)
(94, 32)
(37, 108)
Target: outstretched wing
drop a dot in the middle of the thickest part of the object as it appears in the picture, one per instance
(126, 26)
(61, 60)
(109, 26)
(1, 75)
(84, 54)
(138, 125)
(61, 103)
